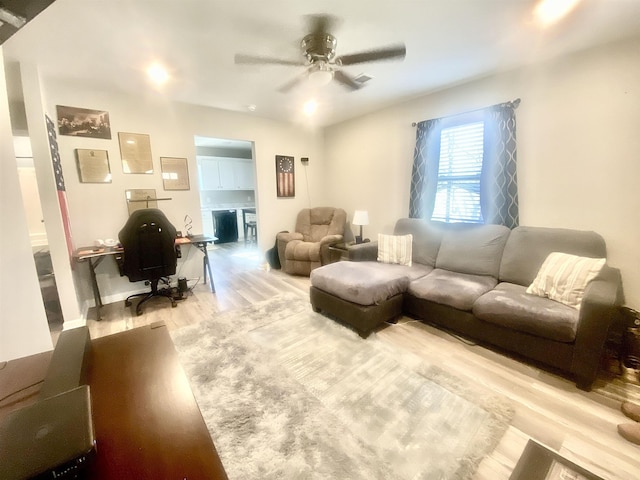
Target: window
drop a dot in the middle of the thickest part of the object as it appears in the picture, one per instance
(459, 171)
(465, 168)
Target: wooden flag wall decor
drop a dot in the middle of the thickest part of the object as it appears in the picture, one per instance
(285, 176)
(62, 194)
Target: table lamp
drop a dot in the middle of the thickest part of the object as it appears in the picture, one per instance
(360, 217)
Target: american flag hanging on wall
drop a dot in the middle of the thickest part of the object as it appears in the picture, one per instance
(57, 171)
(285, 175)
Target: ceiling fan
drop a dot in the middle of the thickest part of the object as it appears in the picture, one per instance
(318, 50)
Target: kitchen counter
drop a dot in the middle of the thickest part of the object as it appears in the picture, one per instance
(214, 208)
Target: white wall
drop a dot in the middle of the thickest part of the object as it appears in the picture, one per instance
(100, 210)
(23, 322)
(578, 149)
(61, 252)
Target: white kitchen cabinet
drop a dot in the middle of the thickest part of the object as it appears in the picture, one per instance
(226, 170)
(245, 178)
(209, 174)
(217, 173)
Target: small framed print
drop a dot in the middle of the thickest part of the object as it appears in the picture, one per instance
(139, 198)
(285, 176)
(93, 166)
(175, 173)
(135, 150)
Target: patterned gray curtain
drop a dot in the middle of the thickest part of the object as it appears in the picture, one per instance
(499, 181)
(499, 189)
(419, 196)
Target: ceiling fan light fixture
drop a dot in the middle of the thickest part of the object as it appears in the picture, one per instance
(320, 78)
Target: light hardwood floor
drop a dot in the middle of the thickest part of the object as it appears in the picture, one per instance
(579, 425)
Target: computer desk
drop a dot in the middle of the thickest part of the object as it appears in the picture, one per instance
(94, 256)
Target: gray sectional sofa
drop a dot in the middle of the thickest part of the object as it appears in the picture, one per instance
(472, 279)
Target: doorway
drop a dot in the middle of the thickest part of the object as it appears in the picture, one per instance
(37, 232)
(227, 185)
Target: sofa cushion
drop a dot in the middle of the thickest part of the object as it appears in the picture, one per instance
(473, 249)
(528, 247)
(510, 306)
(457, 290)
(365, 283)
(426, 238)
(395, 249)
(564, 277)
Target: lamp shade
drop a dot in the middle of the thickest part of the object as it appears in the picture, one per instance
(360, 217)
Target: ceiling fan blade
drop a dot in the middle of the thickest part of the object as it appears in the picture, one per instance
(341, 77)
(287, 87)
(241, 58)
(389, 53)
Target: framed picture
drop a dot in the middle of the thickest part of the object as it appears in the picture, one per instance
(135, 151)
(83, 122)
(285, 176)
(175, 173)
(93, 166)
(140, 198)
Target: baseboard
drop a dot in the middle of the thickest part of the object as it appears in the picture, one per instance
(80, 322)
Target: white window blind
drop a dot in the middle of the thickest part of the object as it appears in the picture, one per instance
(460, 167)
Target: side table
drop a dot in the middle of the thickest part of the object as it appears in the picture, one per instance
(339, 251)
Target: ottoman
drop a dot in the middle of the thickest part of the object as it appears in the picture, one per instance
(358, 294)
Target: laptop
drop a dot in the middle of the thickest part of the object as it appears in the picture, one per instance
(53, 438)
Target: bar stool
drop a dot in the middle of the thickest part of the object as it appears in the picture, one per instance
(251, 236)
(249, 220)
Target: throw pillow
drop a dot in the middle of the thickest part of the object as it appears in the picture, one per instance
(564, 277)
(395, 249)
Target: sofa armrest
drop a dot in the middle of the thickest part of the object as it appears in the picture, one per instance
(598, 309)
(282, 238)
(331, 239)
(325, 243)
(363, 251)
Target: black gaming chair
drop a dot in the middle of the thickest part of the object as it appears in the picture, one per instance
(149, 253)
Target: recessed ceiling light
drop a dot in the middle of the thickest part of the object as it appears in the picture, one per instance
(548, 12)
(157, 74)
(310, 107)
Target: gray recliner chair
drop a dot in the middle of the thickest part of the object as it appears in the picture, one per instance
(308, 247)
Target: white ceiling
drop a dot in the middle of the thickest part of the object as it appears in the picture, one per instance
(108, 44)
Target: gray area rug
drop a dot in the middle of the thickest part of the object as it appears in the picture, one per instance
(290, 394)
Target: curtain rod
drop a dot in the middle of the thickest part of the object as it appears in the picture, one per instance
(515, 104)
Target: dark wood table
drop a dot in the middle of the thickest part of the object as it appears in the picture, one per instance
(147, 422)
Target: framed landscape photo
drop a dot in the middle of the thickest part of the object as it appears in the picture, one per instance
(175, 173)
(83, 122)
(93, 166)
(135, 151)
